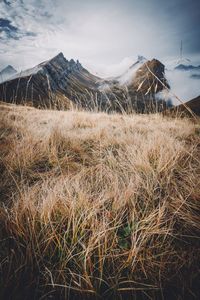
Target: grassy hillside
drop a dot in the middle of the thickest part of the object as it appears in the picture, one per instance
(193, 105)
(98, 206)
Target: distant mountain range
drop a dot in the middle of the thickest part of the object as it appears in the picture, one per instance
(195, 76)
(194, 70)
(183, 67)
(59, 83)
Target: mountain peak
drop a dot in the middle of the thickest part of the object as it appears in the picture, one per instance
(150, 77)
(9, 69)
(60, 54)
(155, 66)
(58, 58)
(6, 73)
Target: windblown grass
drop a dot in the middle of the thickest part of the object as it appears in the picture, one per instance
(98, 206)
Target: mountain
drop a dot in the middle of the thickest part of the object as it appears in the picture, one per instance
(193, 104)
(49, 81)
(59, 82)
(142, 77)
(195, 76)
(183, 67)
(138, 86)
(6, 73)
(148, 80)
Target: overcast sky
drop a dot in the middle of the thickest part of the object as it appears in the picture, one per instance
(105, 35)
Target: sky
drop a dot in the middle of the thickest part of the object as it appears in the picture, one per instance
(106, 36)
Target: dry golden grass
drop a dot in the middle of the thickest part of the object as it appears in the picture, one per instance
(98, 206)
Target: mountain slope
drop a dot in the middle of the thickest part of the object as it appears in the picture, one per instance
(193, 104)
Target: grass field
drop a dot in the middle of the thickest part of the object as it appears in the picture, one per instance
(98, 206)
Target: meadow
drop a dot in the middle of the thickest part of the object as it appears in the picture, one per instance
(98, 206)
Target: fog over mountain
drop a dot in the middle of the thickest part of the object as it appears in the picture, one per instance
(183, 84)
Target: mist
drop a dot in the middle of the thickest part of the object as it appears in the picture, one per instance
(182, 85)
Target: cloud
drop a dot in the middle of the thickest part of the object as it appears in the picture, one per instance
(101, 34)
(183, 85)
(7, 30)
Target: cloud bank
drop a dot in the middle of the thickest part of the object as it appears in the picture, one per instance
(98, 33)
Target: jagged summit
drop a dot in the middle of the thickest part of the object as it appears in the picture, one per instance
(60, 59)
(156, 67)
(59, 55)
